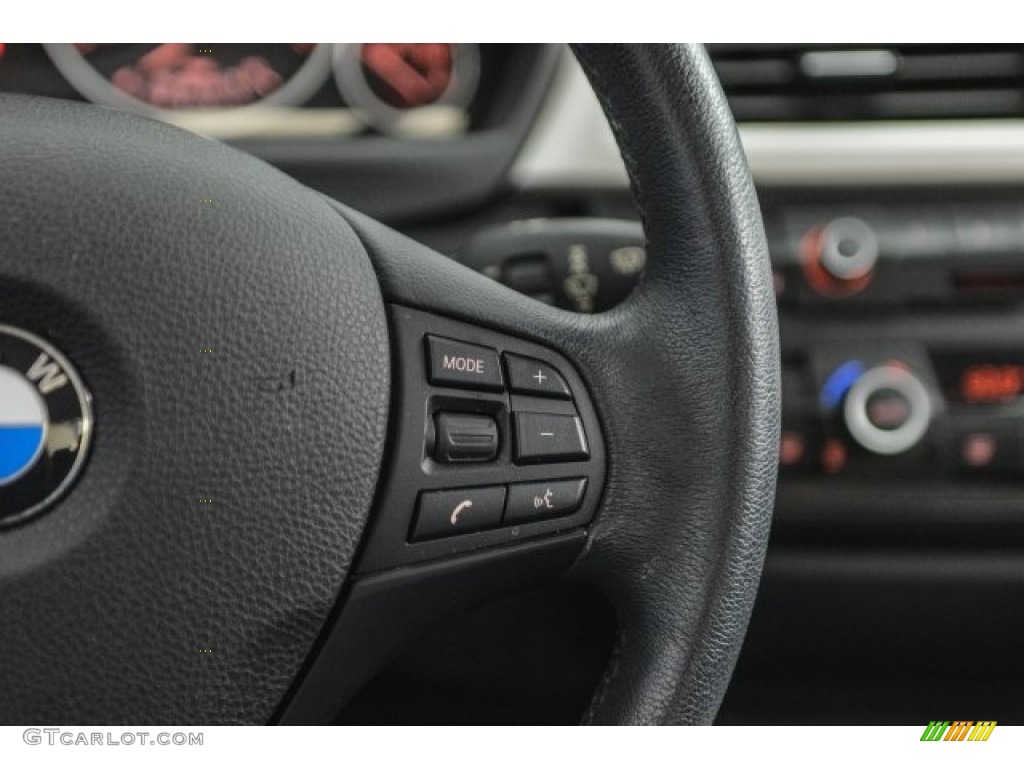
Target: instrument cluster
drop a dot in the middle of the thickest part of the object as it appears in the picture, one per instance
(238, 90)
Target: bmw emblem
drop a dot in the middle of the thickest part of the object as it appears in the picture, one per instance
(45, 425)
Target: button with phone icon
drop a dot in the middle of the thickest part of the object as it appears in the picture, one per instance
(446, 513)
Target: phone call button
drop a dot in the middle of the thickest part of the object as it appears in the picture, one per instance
(447, 513)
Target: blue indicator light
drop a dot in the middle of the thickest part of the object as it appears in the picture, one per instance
(839, 381)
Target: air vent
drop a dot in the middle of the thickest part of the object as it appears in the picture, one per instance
(870, 81)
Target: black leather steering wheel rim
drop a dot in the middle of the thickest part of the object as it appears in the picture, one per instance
(685, 670)
(685, 377)
(132, 247)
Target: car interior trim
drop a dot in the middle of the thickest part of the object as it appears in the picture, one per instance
(571, 145)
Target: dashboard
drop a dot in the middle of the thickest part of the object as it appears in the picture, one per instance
(402, 132)
(891, 179)
(235, 90)
(899, 282)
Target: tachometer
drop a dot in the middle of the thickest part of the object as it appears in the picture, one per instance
(409, 87)
(172, 77)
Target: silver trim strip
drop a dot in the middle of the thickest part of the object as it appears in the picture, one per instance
(867, 63)
(572, 146)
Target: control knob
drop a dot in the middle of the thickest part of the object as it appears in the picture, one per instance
(888, 410)
(839, 258)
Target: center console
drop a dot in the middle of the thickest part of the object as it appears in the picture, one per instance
(903, 359)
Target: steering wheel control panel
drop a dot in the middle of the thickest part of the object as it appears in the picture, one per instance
(495, 441)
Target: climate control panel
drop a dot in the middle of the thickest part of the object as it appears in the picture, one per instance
(902, 410)
(848, 257)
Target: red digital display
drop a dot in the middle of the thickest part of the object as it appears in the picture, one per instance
(992, 383)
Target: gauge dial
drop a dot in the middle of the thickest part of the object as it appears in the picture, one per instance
(170, 77)
(409, 87)
(408, 75)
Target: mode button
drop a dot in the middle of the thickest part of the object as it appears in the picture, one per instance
(458, 364)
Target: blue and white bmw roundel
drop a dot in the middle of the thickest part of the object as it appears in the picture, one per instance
(45, 425)
(23, 425)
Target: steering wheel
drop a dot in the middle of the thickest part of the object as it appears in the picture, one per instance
(266, 369)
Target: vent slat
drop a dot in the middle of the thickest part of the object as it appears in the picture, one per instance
(760, 72)
(969, 66)
(849, 82)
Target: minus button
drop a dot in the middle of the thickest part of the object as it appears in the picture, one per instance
(549, 437)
